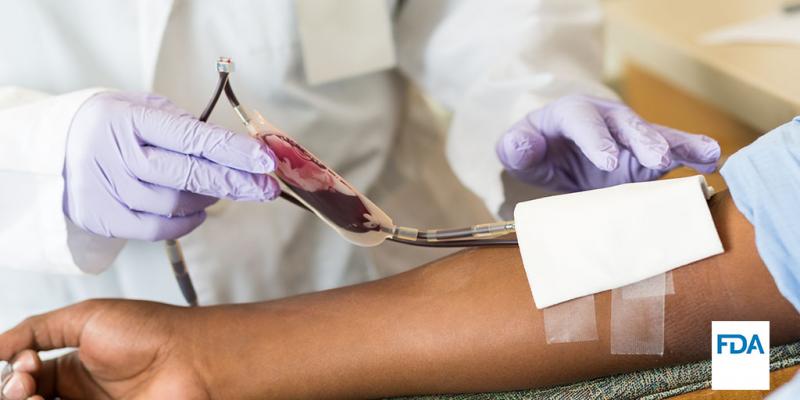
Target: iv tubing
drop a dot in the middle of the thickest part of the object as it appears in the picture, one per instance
(472, 236)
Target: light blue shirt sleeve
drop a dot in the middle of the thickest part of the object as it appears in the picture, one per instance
(789, 391)
(764, 180)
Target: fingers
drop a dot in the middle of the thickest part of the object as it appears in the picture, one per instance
(579, 121)
(696, 151)
(662, 148)
(67, 377)
(643, 139)
(20, 386)
(145, 197)
(131, 224)
(57, 329)
(151, 227)
(18, 379)
(63, 377)
(197, 175)
(150, 100)
(187, 135)
(521, 147)
(54, 330)
(26, 361)
(163, 103)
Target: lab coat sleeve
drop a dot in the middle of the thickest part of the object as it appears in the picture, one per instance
(34, 233)
(490, 63)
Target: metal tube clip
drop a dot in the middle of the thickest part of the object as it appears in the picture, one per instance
(225, 64)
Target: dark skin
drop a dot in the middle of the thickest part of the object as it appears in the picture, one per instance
(466, 323)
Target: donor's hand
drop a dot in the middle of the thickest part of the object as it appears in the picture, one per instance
(125, 349)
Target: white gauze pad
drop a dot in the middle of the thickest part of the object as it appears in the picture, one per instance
(582, 243)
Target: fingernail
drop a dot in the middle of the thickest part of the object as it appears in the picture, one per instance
(256, 156)
(264, 162)
(521, 150)
(664, 162)
(611, 163)
(708, 168)
(713, 152)
(14, 389)
(273, 190)
(262, 188)
(517, 152)
(24, 364)
(267, 159)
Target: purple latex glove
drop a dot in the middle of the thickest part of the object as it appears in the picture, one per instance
(580, 142)
(139, 167)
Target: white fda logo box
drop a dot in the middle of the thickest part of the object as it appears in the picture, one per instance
(740, 355)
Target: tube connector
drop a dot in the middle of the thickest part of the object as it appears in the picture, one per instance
(493, 229)
(481, 231)
(225, 64)
(405, 233)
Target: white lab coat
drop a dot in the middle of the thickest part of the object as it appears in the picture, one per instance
(487, 62)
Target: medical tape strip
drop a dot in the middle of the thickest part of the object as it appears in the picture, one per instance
(571, 321)
(575, 320)
(637, 317)
(643, 288)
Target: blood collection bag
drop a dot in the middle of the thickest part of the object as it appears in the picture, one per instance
(304, 177)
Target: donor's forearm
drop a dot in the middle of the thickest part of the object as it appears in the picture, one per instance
(467, 323)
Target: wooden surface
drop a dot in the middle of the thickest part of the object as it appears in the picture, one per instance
(776, 379)
(658, 101)
(758, 83)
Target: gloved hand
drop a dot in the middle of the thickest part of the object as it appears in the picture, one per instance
(138, 167)
(580, 142)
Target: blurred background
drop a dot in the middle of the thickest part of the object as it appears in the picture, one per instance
(725, 68)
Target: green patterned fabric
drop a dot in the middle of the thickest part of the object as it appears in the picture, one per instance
(654, 384)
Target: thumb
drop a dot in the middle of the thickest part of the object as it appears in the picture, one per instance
(53, 330)
(521, 147)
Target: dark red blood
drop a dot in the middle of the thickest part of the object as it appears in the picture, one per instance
(316, 184)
